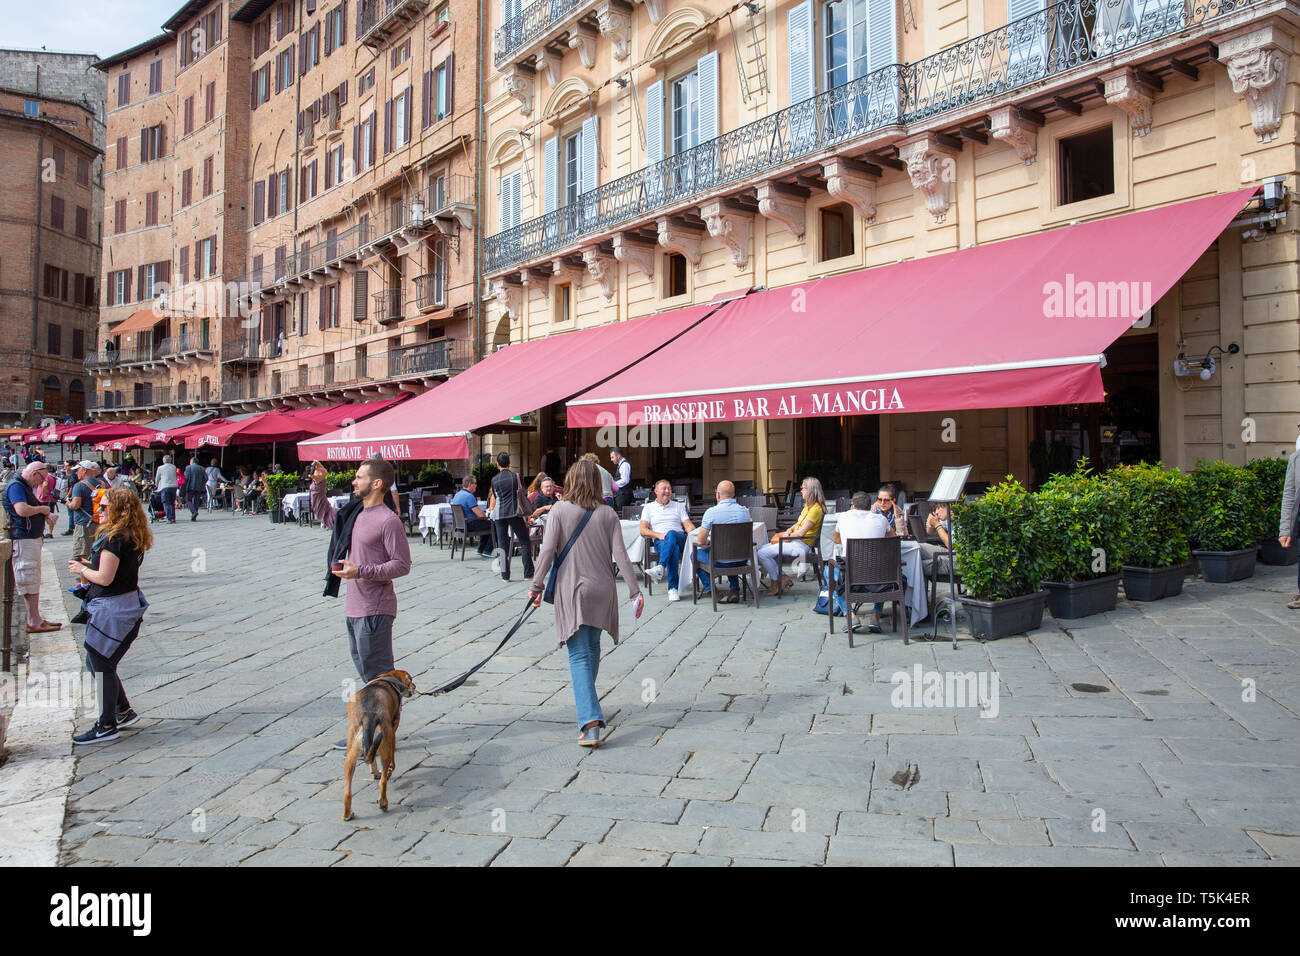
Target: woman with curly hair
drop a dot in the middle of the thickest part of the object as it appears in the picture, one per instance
(114, 606)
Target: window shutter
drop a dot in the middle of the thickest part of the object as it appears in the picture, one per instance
(589, 151)
(313, 177)
(121, 152)
(303, 58)
(165, 271)
(707, 69)
(799, 23)
(882, 31)
(198, 260)
(374, 139)
(272, 195)
(126, 280)
(426, 100)
(212, 255)
(144, 145)
(360, 283)
(451, 84)
(343, 23)
(551, 174)
(259, 200)
(408, 109)
(216, 25)
(324, 295)
(654, 121)
(388, 127)
(289, 75)
(356, 147)
(139, 282)
(185, 263)
(343, 93)
(252, 90)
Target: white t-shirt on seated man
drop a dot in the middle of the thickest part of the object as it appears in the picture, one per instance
(667, 522)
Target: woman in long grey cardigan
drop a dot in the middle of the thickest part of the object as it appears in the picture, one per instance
(586, 595)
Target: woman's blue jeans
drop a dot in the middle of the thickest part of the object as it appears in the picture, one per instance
(584, 664)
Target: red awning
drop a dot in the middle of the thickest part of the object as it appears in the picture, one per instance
(263, 429)
(1009, 324)
(142, 320)
(337, 416)
(100, 432)
(511, 381)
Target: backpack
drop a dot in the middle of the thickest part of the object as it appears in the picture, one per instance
(97, 502)
(11, 518)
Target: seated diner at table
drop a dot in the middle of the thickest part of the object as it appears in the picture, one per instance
(795, 542)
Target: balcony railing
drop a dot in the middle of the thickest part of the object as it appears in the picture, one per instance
(247, 350)
(1026, 51)
(428, 358)
(377, 19)
(180, 344)
(430, 291)
(534, 21)
(115, 358)
(242, 389)
(389, 305)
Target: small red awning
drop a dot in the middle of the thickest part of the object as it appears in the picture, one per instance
(100, 432)
(511, 381)
(142, 320)
(1009, 324)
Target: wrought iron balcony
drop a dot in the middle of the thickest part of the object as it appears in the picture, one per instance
(389, 305)
(247, 351)
(534, 22)
(430, 291)
(379, 20)
(242, 389)
(1025, 52)
(428, 358)
(188, 342)
(118, 358)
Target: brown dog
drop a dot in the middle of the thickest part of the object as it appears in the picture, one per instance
(373, 715)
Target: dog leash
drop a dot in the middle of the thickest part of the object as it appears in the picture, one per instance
(453, 684)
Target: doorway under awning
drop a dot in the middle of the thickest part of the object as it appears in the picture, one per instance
(1017, 323)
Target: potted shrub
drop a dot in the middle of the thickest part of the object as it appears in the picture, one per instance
(340, 481)
(1271, 473)
(1000, 560)
(1155, 520)
(1228, 520)
(276, 486)
(484, 472)
(434, 475)
(1078, 529)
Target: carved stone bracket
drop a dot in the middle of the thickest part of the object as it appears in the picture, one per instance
(1257, 65)
(534, 279)
(616, 27)
(519, 84)
(603, 269)
(730, 227)
(1009, 126)
(510, 296)
(549, 63)
(655, 8)
(565, 269)
(932, 167)
(855, 187)
(678, 238)
(775, 202)
(634, 253)
(1125, 90)
(584, 41)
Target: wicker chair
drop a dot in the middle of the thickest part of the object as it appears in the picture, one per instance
(873, 570)
(731, 554)
(459, 531)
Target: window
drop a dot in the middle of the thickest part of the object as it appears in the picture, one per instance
(837, 231)
(31, 108)
(510, 201)
(442, 13)
(54, 339)
(284, 189)
(309, 49)
(123, 89)
(60, 160)
(119, 217)
(121, 286)
(121, 152)
(151, 208)
(399, 54)
(210, 102)
(572, 177)
(151, 143)
(674, 275)
(335, 30)
(1087, 165)
(686, 112)
(155, 77)
(261, 85)
(563, 302)
(438, 265)
(188, 114)
(284, 70)
(402, 119)
(187, 187)
(366, 82)
(79, 341)
(83, 171)
(208, 258)
(261, 38)
(83, 223)
(56, 212)
(283, 20)
(207, 177)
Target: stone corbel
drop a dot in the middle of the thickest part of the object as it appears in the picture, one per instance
(615, 26)
(1257, 63)
(564, 269)
(790, 210)
(634, 253)
(549, 63)
(603, 269)
(932, 168)
(1010, 127)
(655, 8)
(1125, 90)
(855, 187)
(533, 279)
(519, 84)
(510, 296)
(677, 238)
(584, 41)
(731, 228)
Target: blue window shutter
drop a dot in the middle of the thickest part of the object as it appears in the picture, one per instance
(654, 123)
(803, 80)
(551, 174)
(707, 69)
(590, 151)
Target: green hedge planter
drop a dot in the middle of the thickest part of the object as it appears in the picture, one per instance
(1071, 599)
(992, 620)
(1221, 567)
(1153, 584)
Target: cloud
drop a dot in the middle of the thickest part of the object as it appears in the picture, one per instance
(102, 27)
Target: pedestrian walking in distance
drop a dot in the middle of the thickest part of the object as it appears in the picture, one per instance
(115, 606)
(590, 539)
(167, 479)
(195, 484)
(368, 549)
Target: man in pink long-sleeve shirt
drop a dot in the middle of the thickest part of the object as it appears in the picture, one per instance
(378, 553)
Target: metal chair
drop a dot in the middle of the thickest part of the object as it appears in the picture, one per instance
(459, 531)
(751, 501)
(631, 512)
(765, 515)
(873, 570)
(814, 557)
(843, 503)
(731, 554)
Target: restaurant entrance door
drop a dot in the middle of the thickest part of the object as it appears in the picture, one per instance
(842, 452)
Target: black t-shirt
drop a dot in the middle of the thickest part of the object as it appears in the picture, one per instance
(505, 485)
(129, 559)
(541, 501)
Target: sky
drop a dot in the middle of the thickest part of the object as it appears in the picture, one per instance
(102, 27)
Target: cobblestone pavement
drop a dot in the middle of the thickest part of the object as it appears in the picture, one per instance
(741, 737)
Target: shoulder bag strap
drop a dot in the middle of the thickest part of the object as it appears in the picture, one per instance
(559, 559)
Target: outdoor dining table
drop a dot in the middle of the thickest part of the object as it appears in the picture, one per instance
(433, 517)
(912, 573)
(290, 504)
(635, 545)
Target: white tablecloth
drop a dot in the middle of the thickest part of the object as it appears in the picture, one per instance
(635, 545)
(290, 504)
(433, 517)
(912, 573)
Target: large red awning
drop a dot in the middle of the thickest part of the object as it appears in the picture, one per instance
(337, 416)
(1009, 324)
(263, 429)
(509, 382)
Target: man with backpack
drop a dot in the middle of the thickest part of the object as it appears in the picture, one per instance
(83, 502)
(28, 519)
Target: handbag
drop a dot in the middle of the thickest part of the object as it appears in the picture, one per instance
(524, 505)
(549, 594)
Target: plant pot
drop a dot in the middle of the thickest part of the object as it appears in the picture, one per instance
(1220, 567)
(277, 517)
(1152, 584)
(991, 620)
(1070, 599)
(1270, 552)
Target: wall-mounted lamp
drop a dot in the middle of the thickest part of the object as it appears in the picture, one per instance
(1205, 367)
(1261, 218)
(752, 7)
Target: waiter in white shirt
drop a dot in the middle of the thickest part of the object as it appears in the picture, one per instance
(666, 521)
(622, 480)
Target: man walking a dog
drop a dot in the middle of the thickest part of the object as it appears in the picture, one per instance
(368, 548)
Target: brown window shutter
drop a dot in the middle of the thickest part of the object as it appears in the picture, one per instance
(144, 145)
(343, 93)
(121, 152)
(259, 200)
(185, 263)
(451, 77)
(320, 320)
(212, 254)
(426, 100)
(343, 23)
(198, 260)
(405, 119)
(357, 160)
(360, 282)
(313, 177)
(139, 280)
(252, 90)
(165, 270)
(388, 127)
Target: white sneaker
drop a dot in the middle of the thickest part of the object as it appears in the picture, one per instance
(673, 595)
(657, 572)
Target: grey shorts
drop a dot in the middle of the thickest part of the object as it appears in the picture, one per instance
(83, 536)
(27, 565)
(370, 639)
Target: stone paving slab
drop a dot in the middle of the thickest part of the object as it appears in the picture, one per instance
(759, 741)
